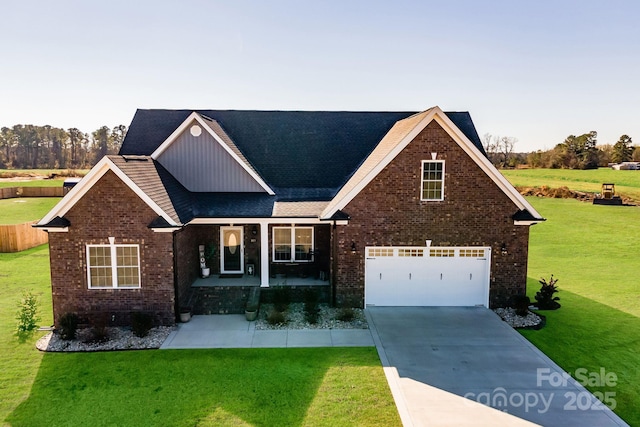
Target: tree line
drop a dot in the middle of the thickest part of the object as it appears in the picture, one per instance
(48, 147)
(575, 152)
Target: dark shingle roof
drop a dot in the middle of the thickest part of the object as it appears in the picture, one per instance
(308, 150)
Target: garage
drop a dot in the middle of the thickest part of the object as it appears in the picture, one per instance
(427, 276)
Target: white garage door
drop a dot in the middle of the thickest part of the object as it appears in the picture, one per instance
(427, 276)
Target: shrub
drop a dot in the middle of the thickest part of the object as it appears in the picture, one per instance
(545, 299)
(69, 326)
(141, 323)
(311, 310)
(521, 304)
(276, 317)
(346, 314)
(281, 298)
(99, 331)
(27, 315)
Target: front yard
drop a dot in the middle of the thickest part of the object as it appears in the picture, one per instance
(261, 387)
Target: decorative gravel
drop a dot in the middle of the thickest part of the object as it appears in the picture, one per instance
(119, 339)
(327, 318)
(509, 315)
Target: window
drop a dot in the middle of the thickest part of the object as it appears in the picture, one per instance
(292, 244)
(432, 180)
(113, 266)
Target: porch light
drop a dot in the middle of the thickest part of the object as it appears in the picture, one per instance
(353, 247)
(503, 249)
(254, 230)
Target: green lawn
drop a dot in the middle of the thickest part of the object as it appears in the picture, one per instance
(627, 182)
(33, 183)
(24, 209)
(593, 251)
(261, 387)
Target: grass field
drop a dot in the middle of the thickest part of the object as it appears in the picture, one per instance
(19, 210)
(33, 183)
(36, 177)
(218, 387)
(593, 251)
(627, 182)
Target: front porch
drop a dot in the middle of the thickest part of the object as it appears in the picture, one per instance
(249, 281)
(228, 295)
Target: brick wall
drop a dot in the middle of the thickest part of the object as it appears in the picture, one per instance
(111, 209)
(475, 212)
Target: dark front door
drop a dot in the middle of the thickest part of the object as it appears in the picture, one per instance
(232, 252)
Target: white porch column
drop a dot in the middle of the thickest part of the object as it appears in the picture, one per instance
(264, 255)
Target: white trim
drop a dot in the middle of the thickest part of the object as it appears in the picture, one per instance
(530, 222)
(292, 249)
(54, 229)
(194, 116)
(441, 118)
(241, 244)
(262, 220)
(422, 181)
(114, 264)
(165, 229)
(79, 190)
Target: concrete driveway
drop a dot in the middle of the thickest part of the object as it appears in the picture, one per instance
(435, 356)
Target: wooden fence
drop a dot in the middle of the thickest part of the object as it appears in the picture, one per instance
(11, 192)
(18, 237)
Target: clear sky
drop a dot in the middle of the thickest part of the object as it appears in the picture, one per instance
(535, 70)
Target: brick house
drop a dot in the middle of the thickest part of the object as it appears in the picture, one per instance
(371, 208)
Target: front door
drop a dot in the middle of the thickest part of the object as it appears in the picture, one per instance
(232, 259)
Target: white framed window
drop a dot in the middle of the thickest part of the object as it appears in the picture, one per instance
(113, 266)
(292, 244)
(432, 183)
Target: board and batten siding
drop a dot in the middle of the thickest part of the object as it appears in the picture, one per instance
(201, 164)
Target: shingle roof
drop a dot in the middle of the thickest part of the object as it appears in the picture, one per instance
(154, 180)
(289, 149)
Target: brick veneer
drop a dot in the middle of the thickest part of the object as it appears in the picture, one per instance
(475, 212)
(111, 209)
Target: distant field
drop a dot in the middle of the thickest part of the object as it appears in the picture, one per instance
(19, 210)
(627, 182)
(36, 177)
(33, 183)
(8, 173)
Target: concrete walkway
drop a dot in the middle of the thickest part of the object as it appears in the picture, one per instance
(434, 357)
(233, 331)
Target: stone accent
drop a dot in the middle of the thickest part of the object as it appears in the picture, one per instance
(111, 209)
(475, 212)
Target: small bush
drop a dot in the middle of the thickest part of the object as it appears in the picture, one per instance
(346, 314)
(311, 310)
(521, 304)
(276, 317)
(27, 315)
(99, 331)
(69, 326)
(281, 298)
(141, 323)
(545, 299)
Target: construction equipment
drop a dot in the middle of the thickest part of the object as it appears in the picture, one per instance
(607, 196)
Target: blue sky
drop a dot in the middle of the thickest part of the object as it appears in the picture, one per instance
(538, 71)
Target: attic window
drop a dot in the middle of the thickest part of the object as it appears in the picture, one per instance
(432, 183)
(195, 130)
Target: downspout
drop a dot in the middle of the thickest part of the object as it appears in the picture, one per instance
(332, 266)
(176, 300)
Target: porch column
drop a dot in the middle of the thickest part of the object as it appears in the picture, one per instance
(264, 255)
